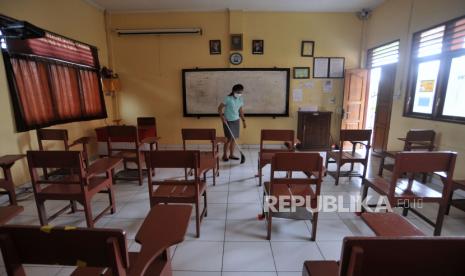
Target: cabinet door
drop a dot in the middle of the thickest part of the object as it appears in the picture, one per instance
(316, 131)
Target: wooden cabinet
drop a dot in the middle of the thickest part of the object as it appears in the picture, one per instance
(314, 130)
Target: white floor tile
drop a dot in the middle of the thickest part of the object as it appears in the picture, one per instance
(245, 230)
(290, 256)
(248, 256)
(198, 256)
(331, 250)
(243, 211)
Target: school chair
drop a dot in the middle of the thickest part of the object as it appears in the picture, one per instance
(80, 185)
(147, 128)
(356, 138)
(97, 251)
(9, 212)
(459, 202)
(416, 139)
(266, 153)
(406, 192)
(172, 191)
(61, 135)
(132, 153)
(6, 183)
(400, 256)
(209, 160)
(290, 186)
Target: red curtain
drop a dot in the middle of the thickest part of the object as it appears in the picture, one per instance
(50, 92)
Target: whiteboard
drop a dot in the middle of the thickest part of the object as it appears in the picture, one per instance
(266, 90)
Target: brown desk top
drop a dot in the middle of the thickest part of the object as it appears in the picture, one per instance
(390, 225)
(103, 164)
(9, 212)
(8, 160)
(164, 226)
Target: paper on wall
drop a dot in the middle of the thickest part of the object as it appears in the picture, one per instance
(297, 95)
(309, 84)
(328, 86)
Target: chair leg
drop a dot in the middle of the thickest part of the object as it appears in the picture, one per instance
(88, 213)
(197, 219)
(338, 172)
(425, 178)
(314, 226)
(141, 176)
(12, 197)
(214, 176)
(326, 163)
(41, 212)
(205, 205)
(449, 203)
(259, 176)
(73, 206)
(405, 211)
(111, 198)
(440, 218)
(364, 193)
(269, 219)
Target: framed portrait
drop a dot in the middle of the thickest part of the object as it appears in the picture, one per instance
(306, 48)
(215, 47)
(236, 42)
(257, 47)
(301, 72)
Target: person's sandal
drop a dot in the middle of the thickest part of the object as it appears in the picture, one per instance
(234, 157)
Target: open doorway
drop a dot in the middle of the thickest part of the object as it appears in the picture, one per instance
(382, 64)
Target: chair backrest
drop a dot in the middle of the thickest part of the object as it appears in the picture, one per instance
(199, 134)
(52, 135)
(128, 134)
(348, 135)
(402, 256)
(425, 136)
(277, 135)
(69, 160)
(172, 159)
(413, 162)
(91, 247)
(309, 163)
(147, 126)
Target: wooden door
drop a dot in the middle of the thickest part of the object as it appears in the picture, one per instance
(355, 89)
(384, 107)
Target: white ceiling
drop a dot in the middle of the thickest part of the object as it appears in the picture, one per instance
(248, 5)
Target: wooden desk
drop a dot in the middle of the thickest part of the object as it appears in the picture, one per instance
(6, 162)
(164, 226)
(9, 212)
(390, 225)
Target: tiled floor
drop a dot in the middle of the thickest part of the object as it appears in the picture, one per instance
(232, 239)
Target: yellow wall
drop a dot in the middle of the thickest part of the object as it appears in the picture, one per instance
(73, 18)
(150, 66)
(392, 21)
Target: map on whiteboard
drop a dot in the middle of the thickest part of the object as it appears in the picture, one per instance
(265, 90)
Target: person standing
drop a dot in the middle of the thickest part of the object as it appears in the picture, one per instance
(231, 112)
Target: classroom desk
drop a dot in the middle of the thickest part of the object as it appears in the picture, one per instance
(145, 137)
(390, 225)
(164, 226)
(9, 212)
(6, 162)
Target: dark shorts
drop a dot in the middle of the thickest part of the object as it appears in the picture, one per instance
(234, 126)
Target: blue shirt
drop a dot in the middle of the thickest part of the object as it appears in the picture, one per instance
(232, 106)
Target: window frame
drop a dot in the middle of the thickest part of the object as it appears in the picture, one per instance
(445, 58)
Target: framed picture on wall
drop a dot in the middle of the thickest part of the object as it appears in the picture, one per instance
(301, 72)
(257, 47)
(306, 48)
(336, 67)
(236, 42)
(321, 67)
(215, 47)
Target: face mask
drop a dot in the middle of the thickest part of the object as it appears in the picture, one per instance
(237, 95)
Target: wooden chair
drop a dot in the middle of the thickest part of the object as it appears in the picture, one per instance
(44, 135)
(416, 139)
(9, 212)
(209, 160)
(186, 191)
(147, 128)
(130, 154)
(80, 185)
(400, 256)
(406, 192)
(458, 203)
(266, 154)
(309, 163)
(97, 251)
(340, 157)
(6, 183)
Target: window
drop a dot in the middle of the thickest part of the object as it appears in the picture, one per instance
(437, 76)
(52, 79)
